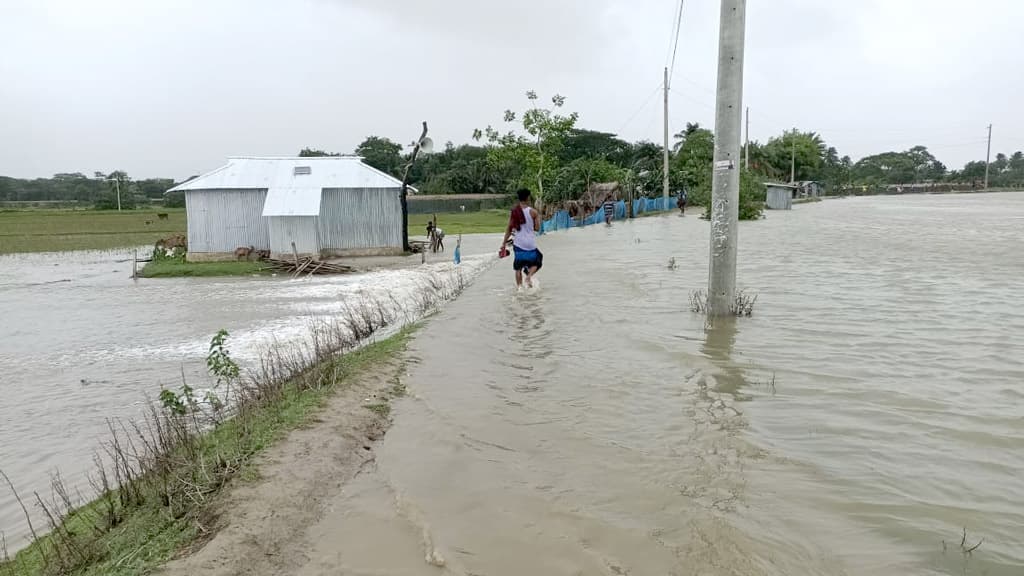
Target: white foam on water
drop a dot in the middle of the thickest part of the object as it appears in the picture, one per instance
(306, 302)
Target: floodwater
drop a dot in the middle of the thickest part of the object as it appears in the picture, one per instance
(81, 343)
(868, 412)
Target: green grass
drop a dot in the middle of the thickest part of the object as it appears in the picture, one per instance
(175, 268)
(150, 534)
(454, 223)
(60, 230)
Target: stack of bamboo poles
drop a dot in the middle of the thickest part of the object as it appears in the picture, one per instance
(306, 265)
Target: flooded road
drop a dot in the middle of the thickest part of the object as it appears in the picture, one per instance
(868, 412)
(80, 343)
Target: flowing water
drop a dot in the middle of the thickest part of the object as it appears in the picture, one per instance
(868, 411)
(81, 343)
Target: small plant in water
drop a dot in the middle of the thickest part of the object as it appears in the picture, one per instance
(965, 548)
(219, 361)
(742, 304)
(221, 366)
(171, 402)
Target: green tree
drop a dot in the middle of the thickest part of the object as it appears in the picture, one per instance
(575, 178)
(591, 144)
(383, 154)
(533, 144)
(154, 187)
(1017, 161)
(885, 168)
(695, 153)
(808, 149)
(456, 170)
(314, 153)
(752, 196)
(119, 183)
(974, 170)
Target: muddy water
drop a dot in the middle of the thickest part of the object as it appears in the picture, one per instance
(81, 343)
(869, 411)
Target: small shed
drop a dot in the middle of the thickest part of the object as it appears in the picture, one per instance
(809, 189)
(779, 196)
(327, 206)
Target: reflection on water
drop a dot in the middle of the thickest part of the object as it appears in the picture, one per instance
(867, 412)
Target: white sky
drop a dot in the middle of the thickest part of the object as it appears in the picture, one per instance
(172, 87)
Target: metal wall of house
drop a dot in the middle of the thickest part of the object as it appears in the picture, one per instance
(302, 230)
(779, 198)
(222, 220)
(360, 219)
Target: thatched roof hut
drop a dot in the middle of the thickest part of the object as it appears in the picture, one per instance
(599, 192)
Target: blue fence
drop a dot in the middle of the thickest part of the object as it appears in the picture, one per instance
(562, 220)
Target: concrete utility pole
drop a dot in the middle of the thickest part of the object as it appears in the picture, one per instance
(117, 187)
(725, 184)
(988, 154)
(664, 167)
(792, 160)
(746, 143)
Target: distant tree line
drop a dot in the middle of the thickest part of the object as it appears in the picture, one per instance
(543, 148)
(99, 190)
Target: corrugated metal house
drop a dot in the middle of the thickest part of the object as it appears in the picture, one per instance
(329, 206)
(779, 196)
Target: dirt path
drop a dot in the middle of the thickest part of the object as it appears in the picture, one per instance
(264, 523)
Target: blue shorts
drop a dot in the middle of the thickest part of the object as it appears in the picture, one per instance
(527, 259)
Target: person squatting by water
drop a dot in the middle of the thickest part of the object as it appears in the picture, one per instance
(523, 225)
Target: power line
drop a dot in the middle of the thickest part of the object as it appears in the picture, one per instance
(647, 102)
(703, 103)
(675, 43)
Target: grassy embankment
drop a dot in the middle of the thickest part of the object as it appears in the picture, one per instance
(176, 268)
(166, 500)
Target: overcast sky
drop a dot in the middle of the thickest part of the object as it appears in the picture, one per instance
(172, 87)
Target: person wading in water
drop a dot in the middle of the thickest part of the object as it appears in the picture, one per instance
(524, 223)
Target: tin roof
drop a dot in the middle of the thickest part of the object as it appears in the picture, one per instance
(266, 173)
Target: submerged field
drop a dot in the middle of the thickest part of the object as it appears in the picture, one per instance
(63, 230)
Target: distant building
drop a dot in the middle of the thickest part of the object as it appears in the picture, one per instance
(325, 206)
(779, 196)
(809, 189)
